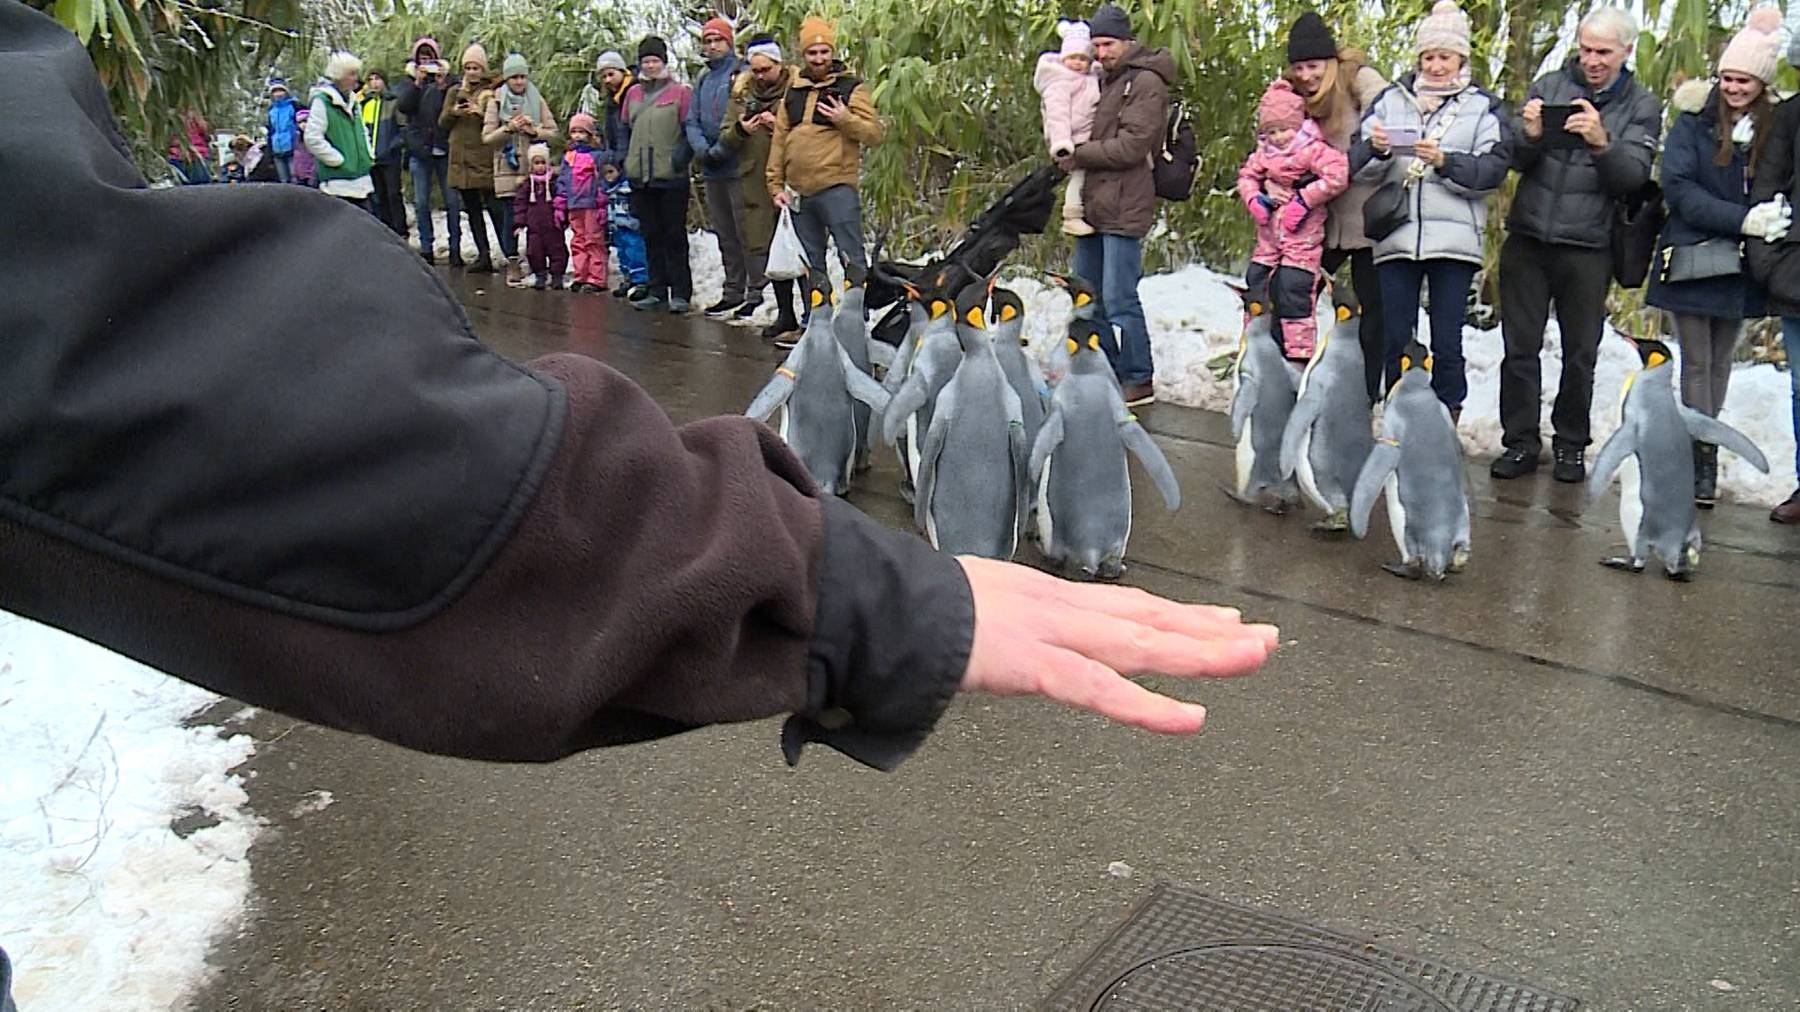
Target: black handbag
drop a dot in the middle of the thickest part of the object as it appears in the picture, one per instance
(1697, 261)
(1637, 221)
(1388, 208)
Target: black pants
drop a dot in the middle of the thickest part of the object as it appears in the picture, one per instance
(1367, 290)
(1533, 274)
(386, 200)
(472, 203)
(662, 213)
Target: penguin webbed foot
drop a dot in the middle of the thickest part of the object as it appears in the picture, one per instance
(1404, 570)
(1111, 569)
(1459, 559)
(1335, 522)
(1624, 562)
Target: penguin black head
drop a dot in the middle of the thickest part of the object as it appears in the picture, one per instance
(1081, 294)
(1007, 305)
(1084, 338)
(1652, 352)
(1416, 356)
(1345, 302)
(971, 305)
(820, 291)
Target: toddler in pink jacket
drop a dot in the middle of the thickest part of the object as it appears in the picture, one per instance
(1070, 85)
(1286, 183)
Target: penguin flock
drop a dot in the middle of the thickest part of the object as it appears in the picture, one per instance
(995, 449)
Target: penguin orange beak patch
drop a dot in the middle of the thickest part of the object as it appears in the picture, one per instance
(938, 308)
(1007, 312)
(1656, 358)
(1074, 346)
(1343, 313)
(975, 318)
(1082, 298)
(1094, 341)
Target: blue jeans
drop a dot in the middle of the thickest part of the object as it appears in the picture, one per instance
(284, 167)
(1449, 281)
(509, 240)
(1790, 338)
(424, 170)
(1116, 262)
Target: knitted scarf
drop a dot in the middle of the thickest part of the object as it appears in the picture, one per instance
(531, 103)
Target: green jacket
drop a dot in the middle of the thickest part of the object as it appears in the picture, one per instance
(344, 132)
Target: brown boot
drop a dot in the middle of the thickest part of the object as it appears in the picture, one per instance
(1788, 512)
(1138, 395)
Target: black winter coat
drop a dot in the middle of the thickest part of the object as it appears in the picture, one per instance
(422, 106)
(1777, 266)
(1705, 201)
(1566, 195)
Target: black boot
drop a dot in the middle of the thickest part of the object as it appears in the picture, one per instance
(1706, 475)
(484, 264)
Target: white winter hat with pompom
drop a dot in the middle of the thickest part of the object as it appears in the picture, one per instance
(1076, 38)
(1446, 27)
(1754, 50)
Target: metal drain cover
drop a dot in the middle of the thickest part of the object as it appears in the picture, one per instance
(1183, 950)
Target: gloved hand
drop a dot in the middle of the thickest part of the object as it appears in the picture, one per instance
(716, 155)
(1260, 209)
(562, 219)
(1769, 220)
(1294, 213)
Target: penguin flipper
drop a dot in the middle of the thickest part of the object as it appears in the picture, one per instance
(1711, 430)
(902, 365)
(861, 385)
(1138, 441)
(905, 403)
(1242, 407)
(1049, 437)
(775, 393)
(1621, 444)
(1306, 411)
(1371, 483)
(926, 479)
(1021, 457)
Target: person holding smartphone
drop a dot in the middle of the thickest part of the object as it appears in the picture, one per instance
(1443, 144)
(1559, 231)
(420, 102)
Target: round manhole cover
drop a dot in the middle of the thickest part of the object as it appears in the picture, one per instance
(1274, 976)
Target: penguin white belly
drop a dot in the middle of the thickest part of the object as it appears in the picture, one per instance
(785, 414)
(912, 450)
(1397, 517)
(1045, 522)
(931, 528)
(1631, 503)
(1304, 471)
(855, 447)
(1246, 457)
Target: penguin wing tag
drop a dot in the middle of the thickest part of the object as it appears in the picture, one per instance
(1383, 459)
(1138, 441)
(1621, 444)
(1711, 430)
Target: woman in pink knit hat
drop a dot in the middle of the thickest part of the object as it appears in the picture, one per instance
(1709, 162)
(1286, 183)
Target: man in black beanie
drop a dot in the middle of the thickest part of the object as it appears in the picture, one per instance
(1119, 194)
(654, 112)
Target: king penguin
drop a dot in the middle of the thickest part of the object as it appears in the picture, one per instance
(816, 387)
(1329, 435)
(1418, 462)
(1084, 305)
(972, 465)
(1652, 451)
(1078, 464)
(1260, 406)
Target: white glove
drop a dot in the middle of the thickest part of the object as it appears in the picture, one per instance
(1768, 220)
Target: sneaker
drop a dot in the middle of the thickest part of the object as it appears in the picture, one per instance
(647, 302)
(1788, 512)
(623, 290)
(1139, 394)
(637, 292)
(746, 311)
(724, 307)
(783, 333)
(540, 283)
(1571, 464)
(1514, 463)
(679, 305)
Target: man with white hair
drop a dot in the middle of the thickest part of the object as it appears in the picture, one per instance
(334, 132)
(1585, 138)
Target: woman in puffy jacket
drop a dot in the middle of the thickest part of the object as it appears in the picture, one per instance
(1445, 179)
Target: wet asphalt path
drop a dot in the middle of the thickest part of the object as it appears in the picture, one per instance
(1543, 769)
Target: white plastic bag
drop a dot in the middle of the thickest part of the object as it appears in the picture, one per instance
(787, 258)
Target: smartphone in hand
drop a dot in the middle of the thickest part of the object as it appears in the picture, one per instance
(1403, 138)
(1556, 127)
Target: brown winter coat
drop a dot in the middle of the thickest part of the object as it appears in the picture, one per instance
(1119, 197)
(495, 135)
(753, 159)
(1339, 122)
(815, 156)
(471, 158)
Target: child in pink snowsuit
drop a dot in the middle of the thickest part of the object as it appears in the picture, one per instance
(1286, 183)
(583, 201)
(538, 211)
(1071, 89)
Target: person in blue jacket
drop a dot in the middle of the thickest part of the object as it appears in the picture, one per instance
(719, 166)
(1709, 160)
(284, 131)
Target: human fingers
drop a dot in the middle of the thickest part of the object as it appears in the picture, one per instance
(1139, 649)
(1086, 684)
(1124, 603)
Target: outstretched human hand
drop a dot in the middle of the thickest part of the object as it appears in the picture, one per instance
(1074, 643)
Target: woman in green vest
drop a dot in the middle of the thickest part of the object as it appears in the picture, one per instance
(334, 132)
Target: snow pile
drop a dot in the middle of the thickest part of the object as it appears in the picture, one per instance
(104, 906)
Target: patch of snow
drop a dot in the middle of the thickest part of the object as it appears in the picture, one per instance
(104, 904)
(1119, 869)
(315, 801)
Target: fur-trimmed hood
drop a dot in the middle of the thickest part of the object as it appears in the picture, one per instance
(1692, 95)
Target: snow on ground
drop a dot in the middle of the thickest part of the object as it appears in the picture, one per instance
(103, 904)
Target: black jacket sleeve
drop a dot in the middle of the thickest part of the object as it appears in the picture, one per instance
(407, 97)
(356, 513)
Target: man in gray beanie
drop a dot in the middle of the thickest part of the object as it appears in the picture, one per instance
(603, 102)
(1119, 195)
